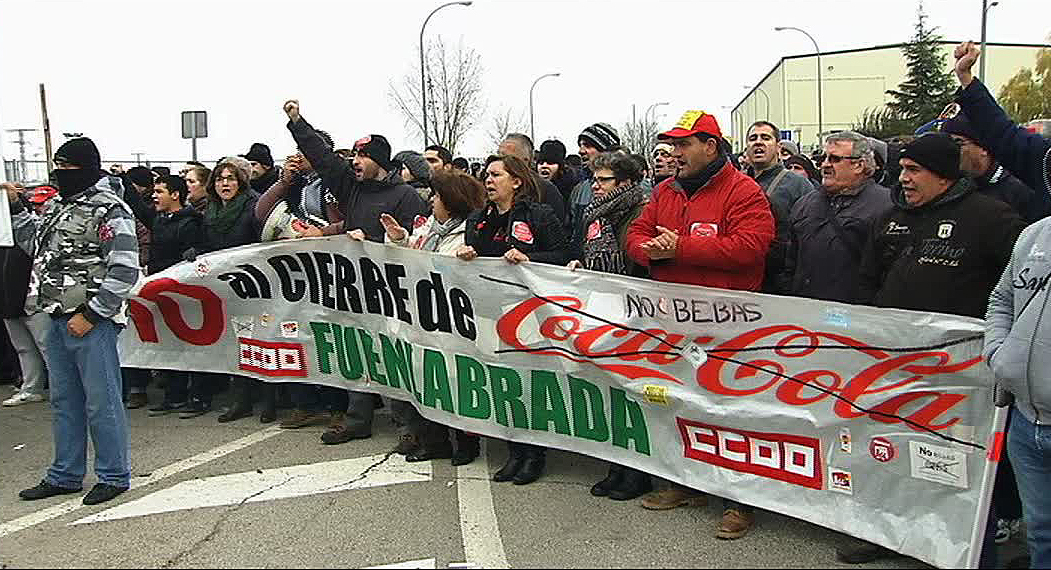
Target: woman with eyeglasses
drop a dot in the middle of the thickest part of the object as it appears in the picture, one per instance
(512, 225)
(618, 200)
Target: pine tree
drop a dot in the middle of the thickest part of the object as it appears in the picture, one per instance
(929, 85)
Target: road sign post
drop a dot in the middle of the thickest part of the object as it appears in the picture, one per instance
(194, 126)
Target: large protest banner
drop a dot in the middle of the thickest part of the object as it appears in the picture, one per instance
(874, 422)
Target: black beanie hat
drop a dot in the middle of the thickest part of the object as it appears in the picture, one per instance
(936, 152)
(80, 152)
(140, 176)
(259, 153)
(552, 152)
(601, 136)
(961, 126)
(377, 148)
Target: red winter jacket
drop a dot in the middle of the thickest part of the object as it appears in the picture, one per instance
(725, 230)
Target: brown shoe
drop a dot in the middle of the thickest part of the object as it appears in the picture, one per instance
(407, 444)
(734, 525)
(673, 497)
(136, 401)
(300, 419)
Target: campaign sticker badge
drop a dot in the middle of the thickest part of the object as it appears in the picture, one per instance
(840, 481)
(845, 443)
(704, 229)
(418, 222)
(655, 394)
(522, 232)
(938, 464)
(594, 230)
(202, 268)
(882, 450)
(290, 329)
(243, 326)
(265, 319)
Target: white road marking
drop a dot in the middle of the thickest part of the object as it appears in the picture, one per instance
(428, 563)
(482, 544)
(270, 485)
(71, 505)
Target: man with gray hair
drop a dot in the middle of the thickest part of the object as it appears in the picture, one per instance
(827, 229)
(520, 145)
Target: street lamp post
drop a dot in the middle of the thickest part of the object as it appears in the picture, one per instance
(818, 50)
(986, 6)
(423, 67)
(763, 91)
(532, 136)
(646, 116)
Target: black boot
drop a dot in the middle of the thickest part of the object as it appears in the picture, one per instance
(533, 467)
(633, 484)
(242, 404)
(515, 460)
(468, 447)
(268, 394)
(612, 481)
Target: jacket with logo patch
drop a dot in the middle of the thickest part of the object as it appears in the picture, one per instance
(1018, 325)
(942, 257)
(85, 251)
(725, 230)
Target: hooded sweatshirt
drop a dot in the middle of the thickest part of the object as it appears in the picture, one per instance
(944, 256)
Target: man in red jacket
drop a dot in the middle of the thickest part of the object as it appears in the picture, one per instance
(709, 225)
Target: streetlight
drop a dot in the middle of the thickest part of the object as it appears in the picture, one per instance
(818, 50)
(986, 5)
(646, 116)
(423, 68)
(531, 135)
(761, 90)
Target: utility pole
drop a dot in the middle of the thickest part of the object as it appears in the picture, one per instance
(47, 127)
(24, 174)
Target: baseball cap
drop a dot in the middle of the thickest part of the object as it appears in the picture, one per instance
(694, 123)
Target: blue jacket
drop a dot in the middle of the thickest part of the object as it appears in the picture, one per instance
(1026, 155)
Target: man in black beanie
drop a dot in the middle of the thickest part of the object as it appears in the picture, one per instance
(943, 246)
(989, 176)
(551, 165)
(264, 173)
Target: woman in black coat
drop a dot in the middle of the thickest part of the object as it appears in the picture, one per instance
(513, 226)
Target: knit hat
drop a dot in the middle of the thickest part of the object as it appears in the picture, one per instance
(961, 126)
(377, 148)
(936, 152)
(552, 152)
(416, 164)
(241, 164)
(663, 147)
(162, 170)
(791, 147)
(80, 152)
(601, 136)
(259, 153)
(694, 123)
(140, 176)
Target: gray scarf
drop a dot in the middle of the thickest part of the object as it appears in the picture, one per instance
(438, 232)
(603, 252)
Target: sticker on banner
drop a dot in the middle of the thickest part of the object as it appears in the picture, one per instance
(243, 326)
(695, 355)
(202, 268)
(939, 464)
(290, 329)
(840, 481)
(265, 319)
(882, 450)
(845, 441)
(655, 394)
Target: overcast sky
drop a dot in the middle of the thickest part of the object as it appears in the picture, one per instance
(121, 72)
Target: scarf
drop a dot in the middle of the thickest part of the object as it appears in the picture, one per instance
(692, 185)
(439, 231)
(223, 217)
(603, 218)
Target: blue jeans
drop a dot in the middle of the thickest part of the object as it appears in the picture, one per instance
(1029, 446)
(86, 396)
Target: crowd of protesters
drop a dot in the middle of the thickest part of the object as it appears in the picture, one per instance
(847, 224)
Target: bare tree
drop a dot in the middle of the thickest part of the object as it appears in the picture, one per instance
(454, 94)
(503, 122)
(640, 136)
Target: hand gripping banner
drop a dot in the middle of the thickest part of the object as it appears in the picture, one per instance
(874, 422)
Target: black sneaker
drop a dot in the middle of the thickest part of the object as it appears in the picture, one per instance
(101, 493)
(195, 408)
(166, 408)
(44, 490)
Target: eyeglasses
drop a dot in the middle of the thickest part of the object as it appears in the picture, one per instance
(605, 179)
(226, 178)
(835, 158)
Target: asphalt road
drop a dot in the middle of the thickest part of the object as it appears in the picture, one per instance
(283, 502)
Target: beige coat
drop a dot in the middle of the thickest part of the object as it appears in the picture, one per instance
(446, 246)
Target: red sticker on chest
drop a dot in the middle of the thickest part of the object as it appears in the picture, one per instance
(419, 221)
(522, 232)
(594, 230)
(704, 229)
(105, 232)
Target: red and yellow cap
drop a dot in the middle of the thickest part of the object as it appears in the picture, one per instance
(694, 123)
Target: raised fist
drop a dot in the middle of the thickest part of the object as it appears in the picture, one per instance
(292, 110)
(966, 55)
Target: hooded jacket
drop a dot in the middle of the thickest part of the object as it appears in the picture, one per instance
(1018, 325)
(943, 257)
(725, 230)
(1026, 155)
(1004, 186)
(361, 202)
(532, 229)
